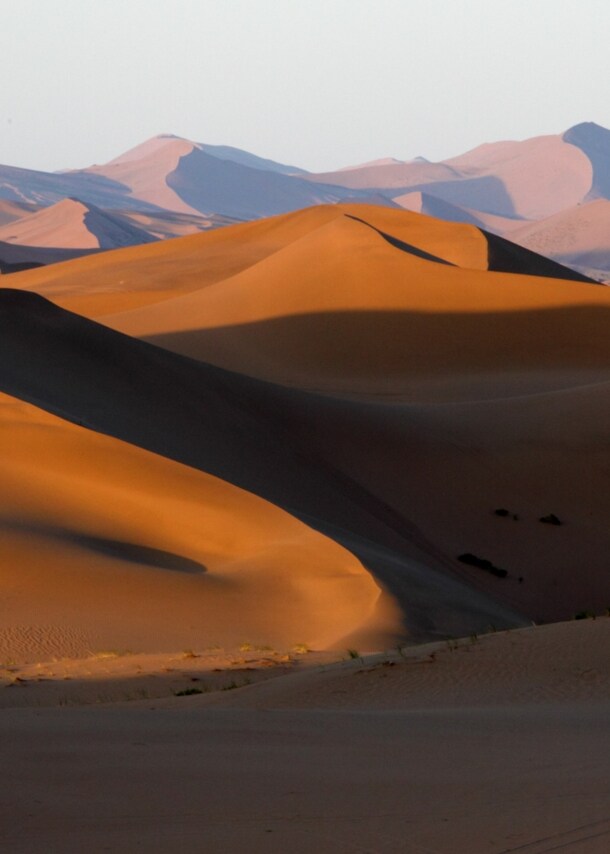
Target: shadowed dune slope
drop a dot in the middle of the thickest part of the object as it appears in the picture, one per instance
(229, 427)
(107, 546)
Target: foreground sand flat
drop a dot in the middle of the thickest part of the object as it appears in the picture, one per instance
(494, 745)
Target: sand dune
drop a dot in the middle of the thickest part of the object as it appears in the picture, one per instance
(15, 258)
(426, 203)
(577, 237)
(133, 278)
(179, 175)
(11, 210)
(106, 546)
(229, 427)
(387, 176)
(493, 400)
(70, 224)
(392, 334)
(532, 179)
(394, 403)
(165, 224)
(459, 386)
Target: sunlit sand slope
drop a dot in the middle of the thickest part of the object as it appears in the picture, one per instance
(105, 546)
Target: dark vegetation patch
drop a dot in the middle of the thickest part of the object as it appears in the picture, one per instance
(482, 563)
(551, 519)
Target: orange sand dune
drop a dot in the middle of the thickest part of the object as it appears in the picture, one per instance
(449, 391)
(107, 546)
(233, 428)
(341, 310)
(141, 275)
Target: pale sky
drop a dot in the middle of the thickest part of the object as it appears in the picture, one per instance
(316, 83)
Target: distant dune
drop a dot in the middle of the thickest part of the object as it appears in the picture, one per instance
(70, 224)
(10, 211)
(169, 186)
(577, 237)
(182, 176)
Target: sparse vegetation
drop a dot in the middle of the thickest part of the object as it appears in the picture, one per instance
(187, 692)
(584, 615)
(482, 563)
(551, 519)
(300, 648)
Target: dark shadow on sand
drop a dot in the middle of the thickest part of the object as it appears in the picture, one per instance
(117, 549)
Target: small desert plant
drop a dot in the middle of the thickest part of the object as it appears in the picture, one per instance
(300, 648)
(584, 615)
(187, 692)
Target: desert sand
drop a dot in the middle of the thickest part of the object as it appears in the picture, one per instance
(491, 744)
(237, 462)
(458, 386)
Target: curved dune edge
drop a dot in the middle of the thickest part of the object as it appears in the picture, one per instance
(340, 310)
(107, 546)
(133, 277)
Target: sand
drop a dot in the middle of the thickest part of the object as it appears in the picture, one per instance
(197, 561)
(411, 387)
(576, 237)
(495, 744)
(108, 547)
(70, 224)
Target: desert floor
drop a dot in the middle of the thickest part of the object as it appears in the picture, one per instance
(483, 745)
